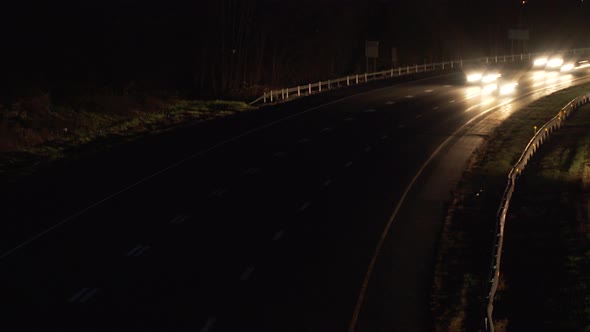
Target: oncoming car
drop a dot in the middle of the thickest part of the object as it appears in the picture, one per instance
(482, 77)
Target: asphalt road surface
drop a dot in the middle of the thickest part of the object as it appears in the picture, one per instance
(283, 226)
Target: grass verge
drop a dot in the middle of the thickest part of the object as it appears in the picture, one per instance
(462, 263)
(546, 271)
(37, 133)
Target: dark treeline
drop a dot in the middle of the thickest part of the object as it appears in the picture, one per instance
(213, 48)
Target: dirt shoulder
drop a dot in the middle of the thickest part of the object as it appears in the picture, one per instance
(464, 252)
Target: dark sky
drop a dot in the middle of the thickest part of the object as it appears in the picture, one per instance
(116, 41)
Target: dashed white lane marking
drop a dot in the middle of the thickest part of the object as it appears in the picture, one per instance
(447, 86)
(280, 154)
(428, 91)
(409, 96)
(327, 130)
(304, 206)
(179, 219)
(452, 101)
(137, 251)
(209, 325)
(327, 183)
(247, 273)
(304, 140)
(367, 149)
(389, 102)
(350, 118)
(348, 164)
(83, 295)
(419, 116)
(219, 192)
(252, 171)
(435, 108)
(278, 235)
(369, 110)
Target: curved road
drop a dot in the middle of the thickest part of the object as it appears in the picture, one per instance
(273, 230)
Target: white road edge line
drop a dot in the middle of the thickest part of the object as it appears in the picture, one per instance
(365, 284)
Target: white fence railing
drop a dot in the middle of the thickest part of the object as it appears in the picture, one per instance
(284, 94)
(538, 139)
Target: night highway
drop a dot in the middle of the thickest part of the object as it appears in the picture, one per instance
(307, 216)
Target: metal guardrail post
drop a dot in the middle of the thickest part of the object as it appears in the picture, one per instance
(357, 78)
(309, 88)
(271, 96)
(365, 77)
(298, 91)
(391, 75)
(328, 84)
(452, 64)
(443, 65)
(399, 71)
(347, 80)
(264, 97)
(287, 93)
(408, 69)
(320, 86)
(416, 68)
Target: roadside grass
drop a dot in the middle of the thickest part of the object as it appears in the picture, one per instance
(549, 217)
(32, 138)
(465, 244)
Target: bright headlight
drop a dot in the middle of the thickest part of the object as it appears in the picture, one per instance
(475, 77)
(539, 62)
(489, 88)
(508, 88)
(490, 78)
(567, 67)
(555, 63)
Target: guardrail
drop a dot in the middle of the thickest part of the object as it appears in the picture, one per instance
(538, 139)
(284, 94)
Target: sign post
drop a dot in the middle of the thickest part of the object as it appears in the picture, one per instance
(518, 35)
(371, 51)
(393, 57)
